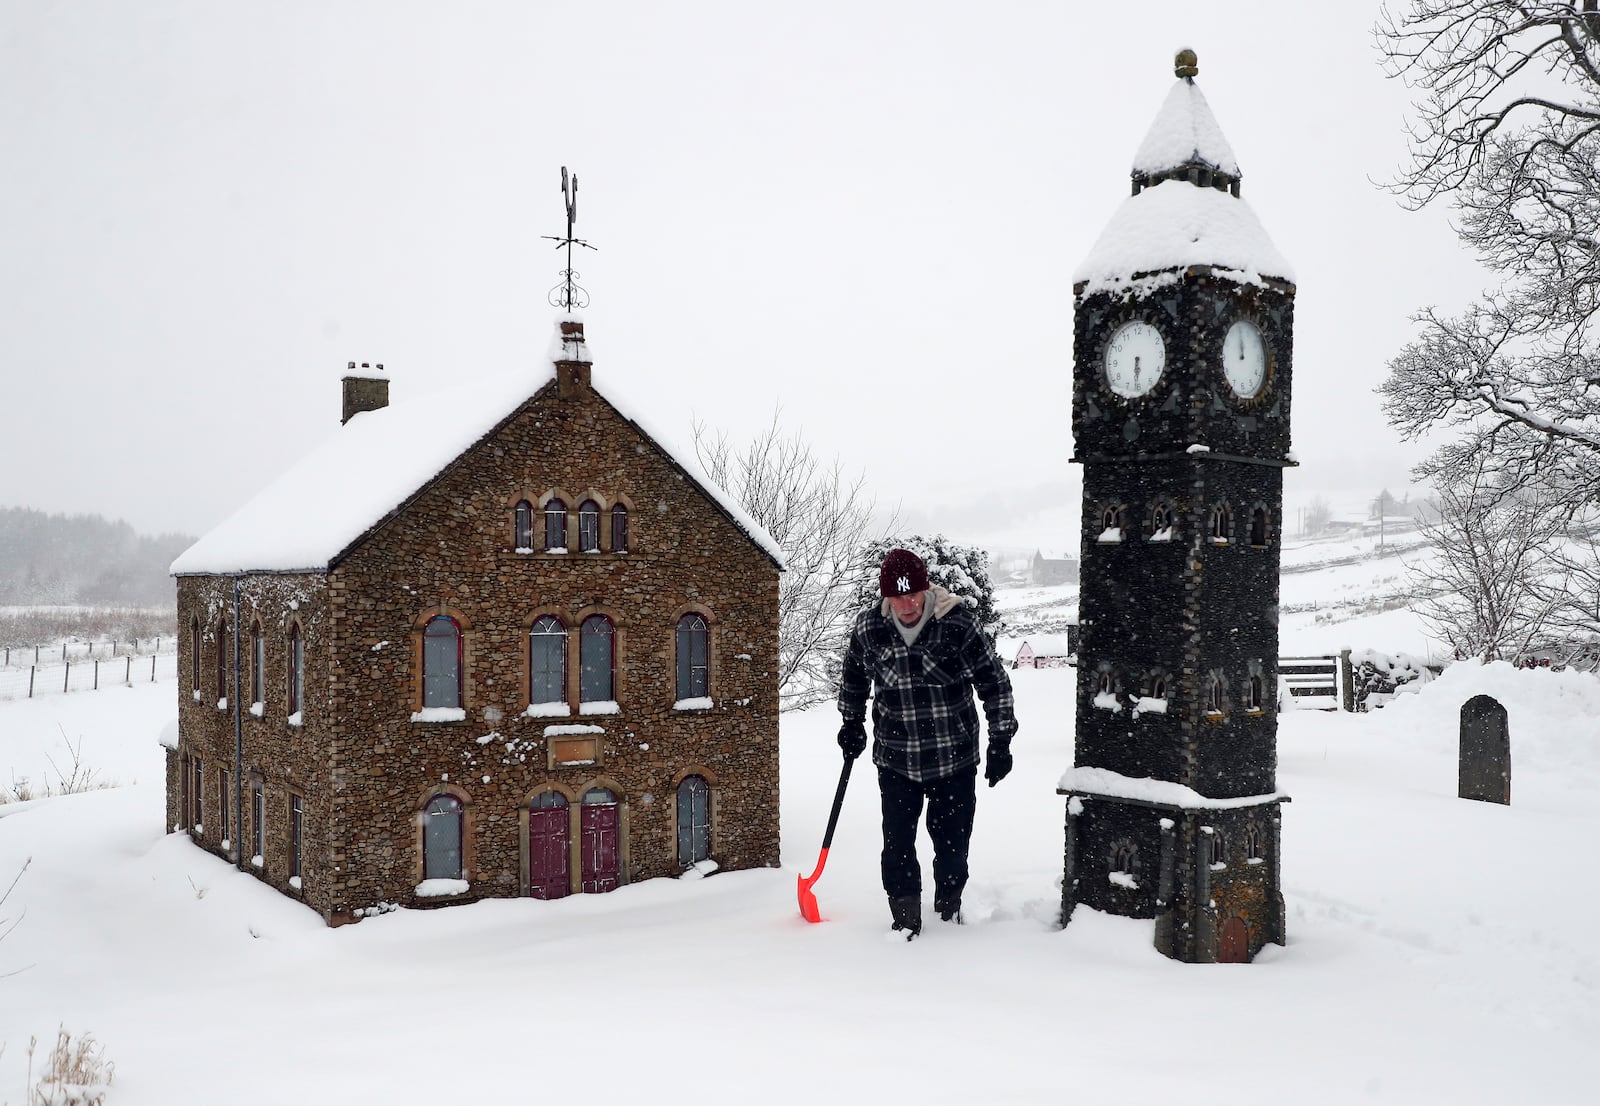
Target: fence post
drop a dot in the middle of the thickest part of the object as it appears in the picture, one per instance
(96, 677)
(32, 668)
(152, 668)
(35, 654)
(66, 676)
(127, 673)
(63, 650)
(1347, 690)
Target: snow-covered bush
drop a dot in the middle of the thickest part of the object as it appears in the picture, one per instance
(962, 570)
(1379, 677)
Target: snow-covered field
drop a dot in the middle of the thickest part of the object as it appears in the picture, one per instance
(1439, 950)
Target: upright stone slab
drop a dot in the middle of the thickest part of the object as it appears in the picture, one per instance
(1485, 772)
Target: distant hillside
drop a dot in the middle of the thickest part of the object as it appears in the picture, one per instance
(83, 559)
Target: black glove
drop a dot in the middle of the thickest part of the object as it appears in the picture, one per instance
(997, 762)
(853, 739)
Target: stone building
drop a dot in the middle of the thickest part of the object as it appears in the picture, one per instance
(496, 642)
(1182, 341)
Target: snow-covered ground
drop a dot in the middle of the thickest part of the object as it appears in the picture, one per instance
(1439, 950)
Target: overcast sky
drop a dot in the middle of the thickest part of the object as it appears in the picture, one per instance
(865, 214)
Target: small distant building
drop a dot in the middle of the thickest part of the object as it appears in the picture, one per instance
(1046, 571)
(1048, 650)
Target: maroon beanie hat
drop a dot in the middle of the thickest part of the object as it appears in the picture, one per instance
(903, 573)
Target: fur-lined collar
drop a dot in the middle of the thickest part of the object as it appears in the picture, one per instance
(943, 603)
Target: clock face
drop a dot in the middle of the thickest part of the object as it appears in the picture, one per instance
(1134, 359)
(1244, 359)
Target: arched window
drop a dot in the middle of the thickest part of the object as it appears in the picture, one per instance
(597, 659)
(1106, 684)
(1161, 519)
(1256, 693)
(1221, 523)
(547, 655)
(1258, 526)
(1252, 842)
(1214, 694)
(1219, 847)
(1113, 523)
(222, 662)
(619, 529)
(588, 526)
(694, 821)
(297, 668)
(555, 526)
(441, 663)
(1158, 687)
(524, 525)
(194, 655)
(441, 838)
(1125, 858)
(694, 653)
(258, 664)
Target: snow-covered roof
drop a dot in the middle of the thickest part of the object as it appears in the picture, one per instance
(1185, 132)
(1175, 224)
(379, 460)
(1048, 645)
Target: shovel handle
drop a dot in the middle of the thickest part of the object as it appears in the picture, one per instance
(838, 802)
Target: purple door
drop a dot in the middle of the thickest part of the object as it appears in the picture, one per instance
(600, 841)
(548, 870)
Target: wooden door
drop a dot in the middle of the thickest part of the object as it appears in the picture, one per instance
(601, 846)
(549, 874)
(1235, 942)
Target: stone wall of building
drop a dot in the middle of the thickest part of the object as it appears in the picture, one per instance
(364, 770)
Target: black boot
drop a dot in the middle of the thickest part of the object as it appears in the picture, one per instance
(907, 913)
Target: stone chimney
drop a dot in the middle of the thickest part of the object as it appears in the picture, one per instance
(365, 389)
(571, 357)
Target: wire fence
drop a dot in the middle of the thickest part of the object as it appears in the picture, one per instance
(65, 652)
(86, 672)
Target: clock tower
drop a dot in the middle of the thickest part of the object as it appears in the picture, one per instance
(1182, 347)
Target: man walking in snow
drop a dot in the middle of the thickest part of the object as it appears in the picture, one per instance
(921, 654)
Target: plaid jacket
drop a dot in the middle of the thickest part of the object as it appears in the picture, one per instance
(923, 720)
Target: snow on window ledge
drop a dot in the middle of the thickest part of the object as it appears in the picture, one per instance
(1255, 859)
(1110, 534)
(1107, 700)
(600, 706)
(200, 829)
(1198, 448)
(700, 869)
(294, 881)
(558, 549)
(257, 709)
(573, 728)
(440, 714)
(523, 549)
(442, 888)
(257, 861)
(224, 844)
(222, 703)
(1145, 705)
(1163, 534)
(197, 695)
(701, 702)
(1124, 879)
(1219, 867)
(1219, 541)
(296, 719)
(547, 710)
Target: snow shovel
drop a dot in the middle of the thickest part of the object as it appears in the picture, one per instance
(808, 899)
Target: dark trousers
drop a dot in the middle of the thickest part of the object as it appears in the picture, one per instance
(951, 802)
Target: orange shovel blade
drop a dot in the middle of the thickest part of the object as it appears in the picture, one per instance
(808, 899)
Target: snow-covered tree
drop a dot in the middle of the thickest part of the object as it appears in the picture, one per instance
(1494, 584)
(820, 519)
(1507, 132)
(960, 569)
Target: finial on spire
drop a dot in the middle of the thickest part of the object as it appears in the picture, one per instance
(1186, 64)
(569, 295)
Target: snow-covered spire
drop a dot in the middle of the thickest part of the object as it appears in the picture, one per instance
(1184, 142)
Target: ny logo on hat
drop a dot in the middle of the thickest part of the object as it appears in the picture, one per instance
(903, 584)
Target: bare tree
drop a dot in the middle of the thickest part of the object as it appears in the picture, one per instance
(1492, 589)
(1507, 131)
(820, 518)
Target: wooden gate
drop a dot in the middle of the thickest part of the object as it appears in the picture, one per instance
(549, 846)
(601, 841)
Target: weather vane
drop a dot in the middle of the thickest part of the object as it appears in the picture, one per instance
(568, 295)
